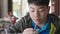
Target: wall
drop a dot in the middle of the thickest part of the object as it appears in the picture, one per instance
(59, 8)
(4, 9)
(24, 7)
(1, 7)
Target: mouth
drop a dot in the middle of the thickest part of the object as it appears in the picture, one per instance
(38, 19)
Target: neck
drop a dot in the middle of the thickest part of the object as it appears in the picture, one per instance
(42, 23)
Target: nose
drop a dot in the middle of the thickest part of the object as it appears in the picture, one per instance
(36, 13)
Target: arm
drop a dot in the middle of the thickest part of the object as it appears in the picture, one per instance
(21, 25)
(18, 27)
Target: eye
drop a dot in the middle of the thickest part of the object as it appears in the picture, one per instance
(31, 9)
(40, 10)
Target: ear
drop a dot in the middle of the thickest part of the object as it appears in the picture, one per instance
(48, 8)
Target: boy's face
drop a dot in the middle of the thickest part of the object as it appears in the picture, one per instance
(38, 12)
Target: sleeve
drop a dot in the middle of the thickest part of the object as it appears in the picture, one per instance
(18, 27)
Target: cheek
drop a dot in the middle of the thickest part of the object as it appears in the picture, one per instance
(32, 16)
(46, 13)
(43, 14)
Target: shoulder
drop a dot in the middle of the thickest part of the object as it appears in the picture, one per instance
(55, 19)
(26, 18)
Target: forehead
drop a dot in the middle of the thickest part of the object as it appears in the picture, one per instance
(37, 6)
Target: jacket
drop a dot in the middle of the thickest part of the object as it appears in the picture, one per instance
(26, 22)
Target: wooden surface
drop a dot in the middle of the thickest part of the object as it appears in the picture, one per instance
(0, 8)
(56, 7)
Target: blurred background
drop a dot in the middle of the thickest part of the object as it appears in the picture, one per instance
(18, 9)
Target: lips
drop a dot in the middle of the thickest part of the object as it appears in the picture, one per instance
(38, 19)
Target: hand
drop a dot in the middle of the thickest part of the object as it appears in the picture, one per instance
(30, 31)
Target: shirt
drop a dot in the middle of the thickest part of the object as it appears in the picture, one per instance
(45, 29)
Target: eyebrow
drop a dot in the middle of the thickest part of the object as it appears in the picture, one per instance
(39, 7)
(31, 7)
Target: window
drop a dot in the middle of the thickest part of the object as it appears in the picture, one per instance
(20, 8)
(17, 8)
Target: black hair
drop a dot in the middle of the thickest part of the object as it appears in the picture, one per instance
(39, 2)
